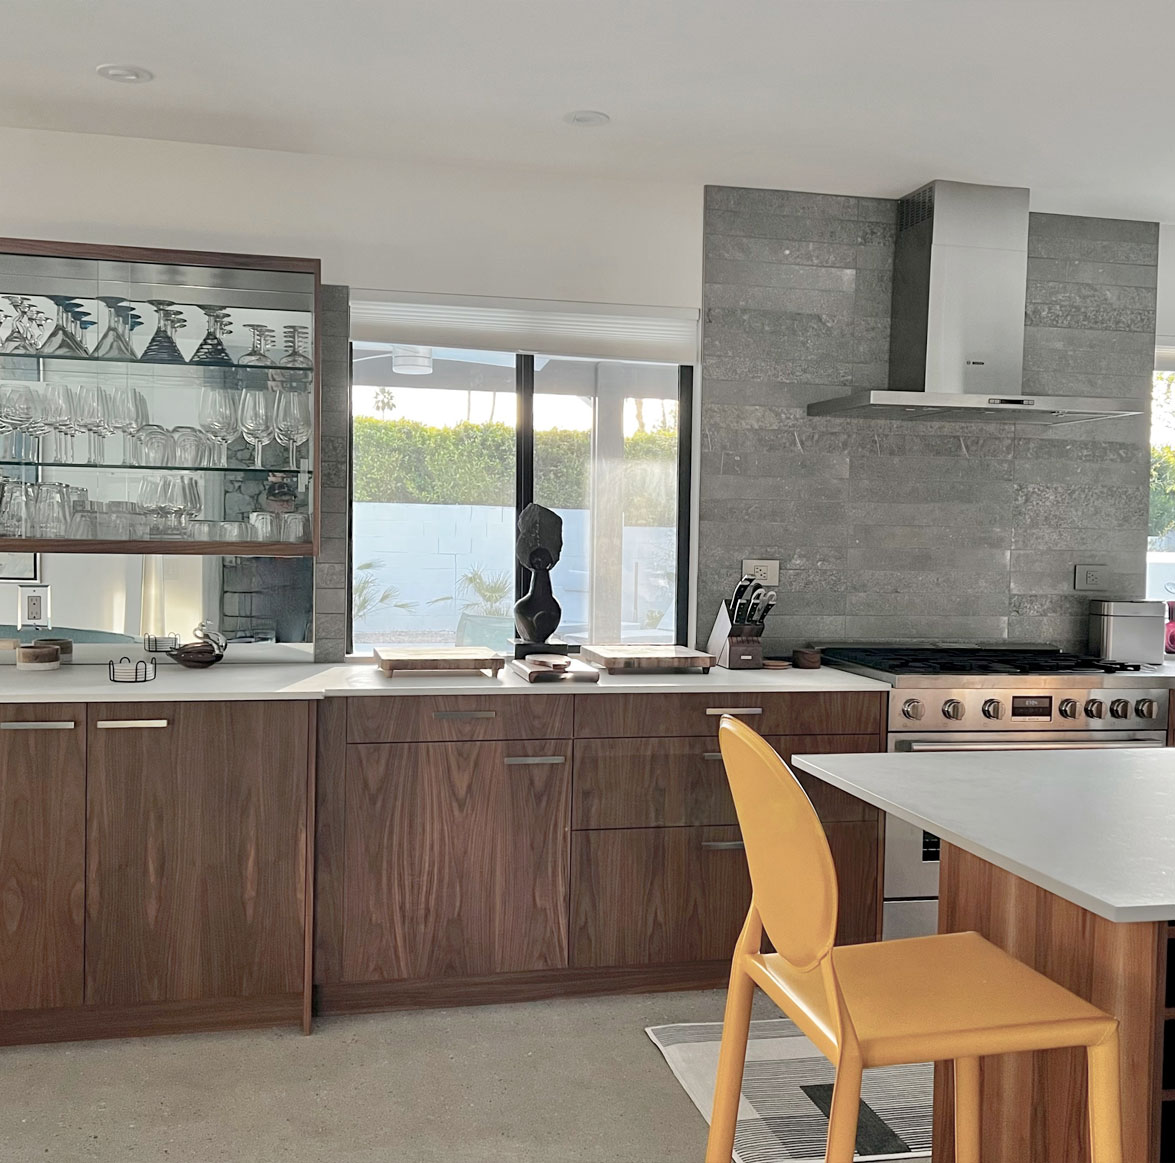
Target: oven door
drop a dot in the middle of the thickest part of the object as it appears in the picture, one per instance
(912, 855)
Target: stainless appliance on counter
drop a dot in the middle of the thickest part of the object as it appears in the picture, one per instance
(992, 699)
(1131, 631)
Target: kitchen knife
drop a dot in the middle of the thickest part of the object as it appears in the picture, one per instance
(740, 591)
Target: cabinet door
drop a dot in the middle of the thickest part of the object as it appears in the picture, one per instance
(42, 855)
(830, 802)
(648, 896)
(196, 855)
(456, 859)
(856, 852)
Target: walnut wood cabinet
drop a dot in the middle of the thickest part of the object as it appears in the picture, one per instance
(195, 875)
(42, 855)
(455, 858)
(477, 848)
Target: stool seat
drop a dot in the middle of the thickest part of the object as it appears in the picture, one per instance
(971, 999)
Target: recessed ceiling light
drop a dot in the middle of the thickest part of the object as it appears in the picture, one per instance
(126, 74)
(586, 118)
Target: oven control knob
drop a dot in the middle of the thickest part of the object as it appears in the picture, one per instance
(1146, 709)
(993, 709)
(1120, 708)
(953, 709)
(1069, 709)
(913, 708)
(1095, 708)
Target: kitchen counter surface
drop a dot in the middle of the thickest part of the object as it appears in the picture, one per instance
(1094, 827)
(81, 683)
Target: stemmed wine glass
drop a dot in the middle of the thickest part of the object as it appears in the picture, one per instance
(115, 342)
(297, 337)
(162, 347)
(257, 421)
(127, 414)
(220, 418)
(263, 338)
(26, 327)
(22, 412)
(57, 411)
(291, 421)
(66, 336)
(93, 417)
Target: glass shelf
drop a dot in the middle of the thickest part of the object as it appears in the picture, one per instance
(163, 546)
(247, 470)
(175, 365)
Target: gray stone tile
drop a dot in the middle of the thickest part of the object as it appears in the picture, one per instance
(990, 560)
(1092, 250)
(334, 474)
(1085, 506)
(785, 631)
(1041, 605)
(1103, 274)
(744, 538)
(785, 464)
(779, 370)
(333, 550)
(1042, 382)
(335, 297)
(823, 603)
(1069, 633)
(910, 582)
(878, 209)
(1092, 295)
(329, 575)
(749, 199)
(1057, 471)
(1103, 318)
(1094, 541)
(898, 628)
(329, 650)
(330, 601)
(330, 626)
(791, 228)
(904, 468)
(990, 494)
(797, 490)
(760, 270)
(333, 500)
(780, 299)
(816, 514)
(1108, 229)
(875, 258)
(871, 375)
(941, 605)
(937, 537)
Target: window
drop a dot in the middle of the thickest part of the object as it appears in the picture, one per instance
(1160, 557)
(449, 443)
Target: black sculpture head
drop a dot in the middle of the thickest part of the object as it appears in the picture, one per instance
(538, 548)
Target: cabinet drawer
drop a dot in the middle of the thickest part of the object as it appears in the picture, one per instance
(457, 718)
(655, 896)
(769, 712)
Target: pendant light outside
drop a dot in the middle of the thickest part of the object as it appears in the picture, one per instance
(411, 361)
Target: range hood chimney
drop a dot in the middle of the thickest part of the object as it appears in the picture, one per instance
(960, 277)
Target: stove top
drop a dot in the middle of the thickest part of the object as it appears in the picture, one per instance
(966, 660)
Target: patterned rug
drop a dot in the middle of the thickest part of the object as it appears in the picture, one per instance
(787, 1091)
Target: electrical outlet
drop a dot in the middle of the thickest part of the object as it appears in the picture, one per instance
(32, 607)
(1091, 577)
(763, 571)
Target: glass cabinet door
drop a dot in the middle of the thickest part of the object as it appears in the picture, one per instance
(156, 401)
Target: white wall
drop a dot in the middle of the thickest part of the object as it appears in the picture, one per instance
(378, 225)
(1165, 322)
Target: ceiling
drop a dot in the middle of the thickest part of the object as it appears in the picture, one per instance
(1069, 97)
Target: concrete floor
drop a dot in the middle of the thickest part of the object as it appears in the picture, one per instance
(574, 1081)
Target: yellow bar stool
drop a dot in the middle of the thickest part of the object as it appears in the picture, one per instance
(952, 996)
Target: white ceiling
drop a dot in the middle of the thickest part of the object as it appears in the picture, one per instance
(1069, 97)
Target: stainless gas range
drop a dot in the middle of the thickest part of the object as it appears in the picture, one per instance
(993, 699)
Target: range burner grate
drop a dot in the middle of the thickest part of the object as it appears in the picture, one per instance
(967, 660)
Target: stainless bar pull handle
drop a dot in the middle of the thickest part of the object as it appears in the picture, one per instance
(711, 754)
(534, 760)
(464, 714)
(1059, 745)
(120, 724)
(723, 845)
(47, 726)
(734, 710)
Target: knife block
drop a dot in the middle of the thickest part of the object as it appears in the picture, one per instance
(736, 645)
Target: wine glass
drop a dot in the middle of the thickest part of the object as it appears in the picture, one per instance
(297, 339)
(257, 421)
(291, 421)
(220, 418)
(127, 414)
(93, 417)
(22, 413)
(263, 338)
(115, 342)
(65, 337)
(162, 347)
(57, 411)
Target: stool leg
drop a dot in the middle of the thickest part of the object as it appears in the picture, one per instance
(736, 1026)
(845, 1112)
(1105, 1103)
(966, 1110)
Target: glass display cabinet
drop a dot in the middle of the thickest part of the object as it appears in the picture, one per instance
(157, 401)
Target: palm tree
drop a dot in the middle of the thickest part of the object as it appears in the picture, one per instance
(366, 595)
(491, 592)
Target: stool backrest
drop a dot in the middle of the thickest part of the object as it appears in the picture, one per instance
(792, 873)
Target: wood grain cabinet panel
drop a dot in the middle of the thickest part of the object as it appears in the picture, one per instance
(195, 861)
(456, 858)
(42, 855)
(458, 718)
(856, 854)
(648, 783)
(600, 716)
(649, 896)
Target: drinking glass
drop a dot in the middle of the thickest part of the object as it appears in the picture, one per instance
(295, 526)
(156, 446)
(204, 530)
(220, 418)
(151, 496)
(191, 497)
(234, 531)
(192, 448)
(15, 510)
(265, 526)
(211, 349)
(263, 338)
(257, 422)
(50, 510)
(83, 525)
(291, 421)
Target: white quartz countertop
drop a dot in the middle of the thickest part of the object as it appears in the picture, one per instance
(82, 683)
(1094, 827)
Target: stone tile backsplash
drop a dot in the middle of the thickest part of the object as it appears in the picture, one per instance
(909, 530)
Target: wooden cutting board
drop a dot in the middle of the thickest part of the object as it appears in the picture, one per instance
(626, 657)
(456, 658)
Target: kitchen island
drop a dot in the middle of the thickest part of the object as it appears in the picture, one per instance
(1066, 859)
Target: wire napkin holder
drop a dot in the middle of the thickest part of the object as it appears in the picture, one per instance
(126, 671)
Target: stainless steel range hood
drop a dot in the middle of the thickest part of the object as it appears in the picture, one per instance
(957, 332)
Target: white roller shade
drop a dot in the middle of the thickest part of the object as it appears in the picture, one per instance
(601, 331)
